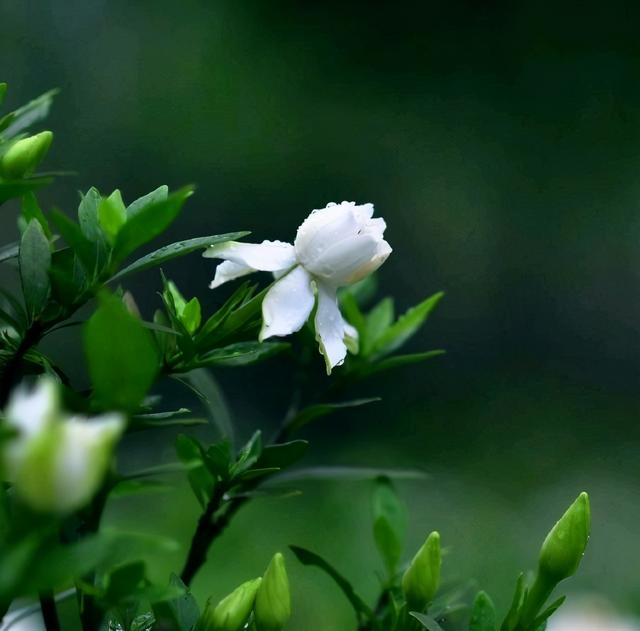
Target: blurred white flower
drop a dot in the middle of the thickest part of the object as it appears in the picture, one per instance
(56, 462)
(335, 246)
(590, 617)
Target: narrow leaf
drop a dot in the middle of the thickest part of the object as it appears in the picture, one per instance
(318, 410)
(35, 261)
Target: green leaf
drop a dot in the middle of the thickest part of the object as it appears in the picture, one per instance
(349, 473)
(3, 92)
(159, 195)
(191, 453)
(397, 361)
(318, 410)
(218, 459)
(513, 615)
(181, 613)
(112, 215)
(241, 354)
(282, 455)
(202, 383)
(542, 618)
(426, 621)
(88, 216)
(35, 261)
(71, 232)
(27, 115)
(406, 326)
(122, 355)
(9, 251)
(306, 557)
(124, 581)
(68, 277)
(31, 210)
(483, 614)
(389, 523)
(191, 315)
(248, 455)
(10, 189)
(147, 224)
(377, 322)
(175, 250)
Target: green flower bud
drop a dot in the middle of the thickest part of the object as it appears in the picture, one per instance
(422, 578)
(25, 155)
(233, 611)
(564, 546)
(273, 601)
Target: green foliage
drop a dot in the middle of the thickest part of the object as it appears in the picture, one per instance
(389, 523)
(35, 261)
(122, 356)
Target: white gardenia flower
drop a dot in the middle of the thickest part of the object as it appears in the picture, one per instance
(55, 462)
(334, 247)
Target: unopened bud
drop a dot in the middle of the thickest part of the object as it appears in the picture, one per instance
(273, 601)
(233, 611)
(422, 578)
(24, 155)
(564, 546)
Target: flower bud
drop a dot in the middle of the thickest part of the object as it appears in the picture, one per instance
(56, 462)
(233, 611)
(422, 578)
(273, 601)
(564, 546)
(25, 155)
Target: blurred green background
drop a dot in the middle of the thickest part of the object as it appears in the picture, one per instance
(500, 141)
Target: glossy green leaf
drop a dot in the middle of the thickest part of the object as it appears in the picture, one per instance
(542, 618)
(218, 458)
(88, 216)
(427, 622)
(406, 326)
(175, 250)
(241, 354)
(31, 210)
(483, 614)
(389, 523)
(158, 195)
(378, 320)
(122, 356)
(149, 222)
(112, 215)
(249, 454)
(27, 115)
(313, 412)
(35, 261)
(282, 455)
(71, 232)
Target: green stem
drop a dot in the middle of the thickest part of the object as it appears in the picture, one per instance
(536, 598)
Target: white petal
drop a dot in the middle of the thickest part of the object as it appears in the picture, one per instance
(287, 305)
(228, 270)
(346, 261)
(83, 457)
(330, 327)
(268, 256)
(31, 411)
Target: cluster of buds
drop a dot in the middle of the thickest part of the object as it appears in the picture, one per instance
(267, 598)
